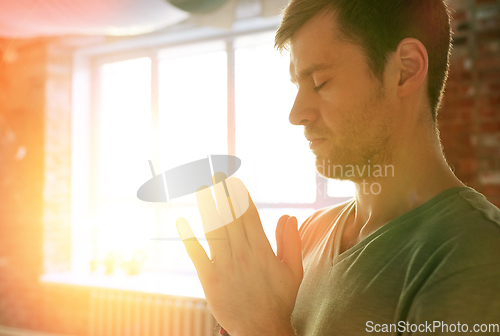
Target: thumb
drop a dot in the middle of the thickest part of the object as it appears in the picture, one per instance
(292, 254)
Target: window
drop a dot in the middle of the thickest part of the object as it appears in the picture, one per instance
(177, 104)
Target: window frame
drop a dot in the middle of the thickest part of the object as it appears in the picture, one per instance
(86, 101)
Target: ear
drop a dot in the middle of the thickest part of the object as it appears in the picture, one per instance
(412, 62)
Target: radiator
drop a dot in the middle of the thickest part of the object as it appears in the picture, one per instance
(9, 331)
(118, 313)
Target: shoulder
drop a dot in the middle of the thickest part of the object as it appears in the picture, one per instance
(460, 233)
(481, 205)
(467, 217)
(481, 223)
(459, 249)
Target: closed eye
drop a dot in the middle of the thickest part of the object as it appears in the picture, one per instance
(319, 87)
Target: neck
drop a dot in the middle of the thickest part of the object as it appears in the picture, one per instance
(418, 172)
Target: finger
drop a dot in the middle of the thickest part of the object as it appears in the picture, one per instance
(280, 230)
(245, 208)
(292, 254)
(213, 226)
(193, 247)
(234, 227)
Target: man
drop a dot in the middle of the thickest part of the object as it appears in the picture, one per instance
(415, 250)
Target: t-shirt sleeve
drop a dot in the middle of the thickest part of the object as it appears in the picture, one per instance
(468, 299)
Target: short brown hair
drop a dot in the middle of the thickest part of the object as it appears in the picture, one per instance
(378, 27)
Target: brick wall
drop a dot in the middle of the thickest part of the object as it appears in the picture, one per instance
(469, 120)
(65, 308)
(35, 129)
(22, 98)
(57, 165)
(35, 77)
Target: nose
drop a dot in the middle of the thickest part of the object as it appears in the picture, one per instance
(303, 109)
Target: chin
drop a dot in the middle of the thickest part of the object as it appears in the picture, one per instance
(335, 163)
(329, 168)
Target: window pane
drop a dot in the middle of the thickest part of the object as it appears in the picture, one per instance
(192, 125)
(123, 225)
(193, 107)
(277, 164)
(337, 188)
(125, 127)
(173, 256)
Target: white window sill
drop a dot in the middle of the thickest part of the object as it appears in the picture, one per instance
(158, 283)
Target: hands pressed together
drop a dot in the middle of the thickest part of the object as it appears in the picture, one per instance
(249, 289)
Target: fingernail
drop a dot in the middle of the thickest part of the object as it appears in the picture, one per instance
(219, 177)
(222, 203)
(184, 229)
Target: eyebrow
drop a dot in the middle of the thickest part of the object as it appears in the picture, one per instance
(311, 70)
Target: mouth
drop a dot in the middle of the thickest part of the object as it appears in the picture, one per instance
(313, 143)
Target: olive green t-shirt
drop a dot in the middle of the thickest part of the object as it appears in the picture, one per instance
(439, 262)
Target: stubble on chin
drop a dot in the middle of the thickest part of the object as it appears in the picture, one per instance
(332, 165)
(352, 164)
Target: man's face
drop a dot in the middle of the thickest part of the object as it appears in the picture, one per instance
(339, 100)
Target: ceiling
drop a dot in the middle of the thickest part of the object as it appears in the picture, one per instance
(35, 18)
